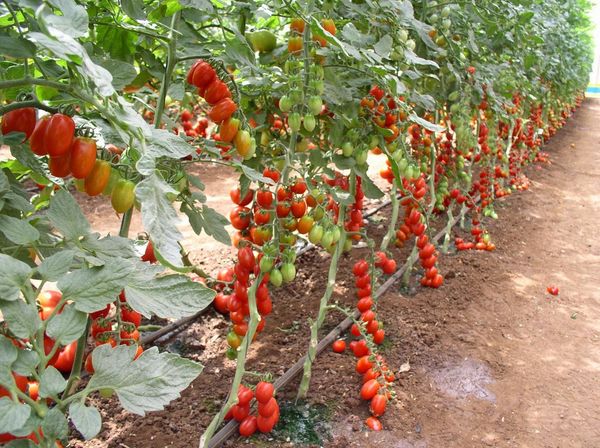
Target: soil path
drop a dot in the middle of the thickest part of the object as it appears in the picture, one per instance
(495, 360)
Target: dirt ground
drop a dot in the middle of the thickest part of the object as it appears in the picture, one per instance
(494, 360)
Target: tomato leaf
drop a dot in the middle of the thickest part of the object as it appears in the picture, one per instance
(14, 275)
(68, 325)
(426, 124)
(8, 355)
(159, 217)
(66, 215)
(52, 383)
(87, 419)
(16, 47)
(92, 289)
(141, 384)
(173, 296)
(18, 231)
(12, 415)
(163, 144)
(108, 247)
(74, 18)
(26, 362)
(55, 266)
(22, 318)
(55, 425)
(214, 225)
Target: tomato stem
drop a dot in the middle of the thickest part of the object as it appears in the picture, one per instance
(78, 361)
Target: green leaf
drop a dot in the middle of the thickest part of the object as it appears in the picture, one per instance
(55, 266)
(118, 43)
(214, 225)
(26, 362)
(145, 384)
(74, 19)
(426, 124)
(384, 46)
(526, 17)
(22, 319)
(18, 231)
(174, 296)
(163, 144)
(52, 382)
(123, 73)
(55, 425)
(87, 420)
(201, 5)
(68, 325)
(159, 217)
(8, 355)
(412, 58)
(108, 247)
(24, 155)
(14, 275)
(12, 415)
(16, 47)
(133, 8)
(66, 215)
(92, 289)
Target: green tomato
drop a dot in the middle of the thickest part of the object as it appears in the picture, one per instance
(288, 272)
(294, 121)
(336, 234)
(361, 157)
(348, 245)
(123, 196)
(262, 41)
(315, 104)
(327, 239)
(285, 104)
(276, 278)
(309, 123)
(316, 234)
(402, 36)
(231, 354)
(296, 96)
(112, 181)
(266, 264)
(318, 212)
(347, 149)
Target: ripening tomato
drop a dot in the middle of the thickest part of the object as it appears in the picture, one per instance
(222, 111)
(229, 129)
(295, 44)
(60, 166)
(83, 157)
(329, 25)
(203, 75)
(240, 217)
(49, 298)
(242, 142)
(123, 196)
(19, 120)
(97, 180)
(36, 140)
(297, 24)
(59, 135)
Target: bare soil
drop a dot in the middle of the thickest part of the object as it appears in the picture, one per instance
(494, 360)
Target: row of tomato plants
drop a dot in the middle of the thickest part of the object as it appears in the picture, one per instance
(297, 120)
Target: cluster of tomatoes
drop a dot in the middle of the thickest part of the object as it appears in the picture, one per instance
(384, 112)
(354, 222)
(217, 94)
(191, 129)
(414, 191)
(237, 281)
(482, 239)
(267, 409)
(107, 328)
(297, 25)
(377, 377)
(69, 155)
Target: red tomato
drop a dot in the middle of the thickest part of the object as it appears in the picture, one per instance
(379, 336)
(19, 120)
(361, 267)
(267, 409)
(266, 424)
(221, 303)
(228, 128)
(339, 346)
(202, 75)
(49, 298)
(221, 111)
(264, 198)
(132, 316)
(389, 267)
(264, 391)
(149, 255)
(60, 166)
(216, 91)
(374, 424)
(236, 196)
(298, 208)
(101, 313)
(245, 394)
(378, 404)
(240, 412)
(363, 364)
(365, 304)
(369, 389)
(36, 141)
(59, 135)
(83, 157)
(248, 426)
(240, 217)
(66, 356)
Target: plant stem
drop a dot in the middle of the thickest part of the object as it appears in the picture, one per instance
(30, 103)
(394, 219)
(171, 61)
(77, 363)
(448, 230)
(125, 223)
(323, 305)
(240, 368)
